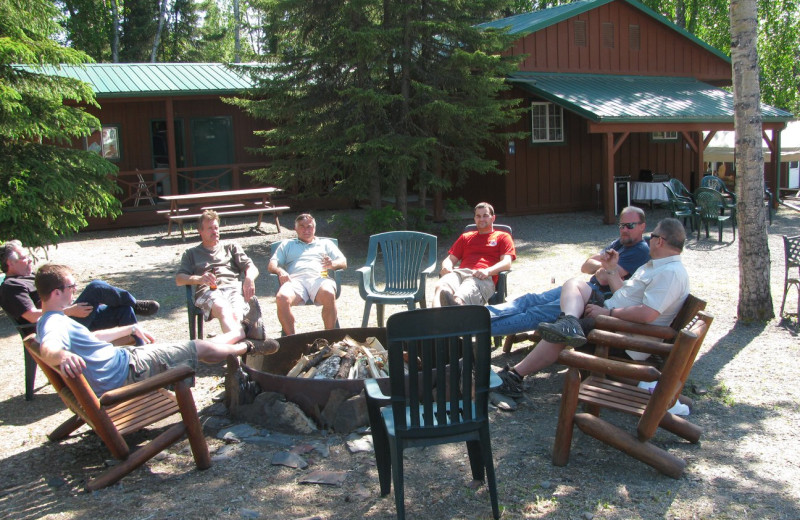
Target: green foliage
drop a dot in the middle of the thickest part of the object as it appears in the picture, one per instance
(386, 218)
(47, 191)
(455, 206)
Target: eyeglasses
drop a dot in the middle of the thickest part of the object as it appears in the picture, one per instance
(70, 287)
(628, 225)
(653, 235)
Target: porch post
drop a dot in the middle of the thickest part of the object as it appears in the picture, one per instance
(173, 161)
(608, 178)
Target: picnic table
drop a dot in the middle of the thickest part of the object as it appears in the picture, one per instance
(254, 201)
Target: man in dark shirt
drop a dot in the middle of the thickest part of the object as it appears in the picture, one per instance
(99, 306)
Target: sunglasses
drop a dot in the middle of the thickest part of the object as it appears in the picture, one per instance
(653, 235)
(628, 225)
(71, 287)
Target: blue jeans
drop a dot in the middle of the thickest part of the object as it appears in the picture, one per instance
(113, 307)
(525, 313)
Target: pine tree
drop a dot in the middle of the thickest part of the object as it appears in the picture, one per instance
(47, 190)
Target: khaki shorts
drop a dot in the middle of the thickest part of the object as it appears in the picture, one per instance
(223, 296)
(470, 289)
(149, 360)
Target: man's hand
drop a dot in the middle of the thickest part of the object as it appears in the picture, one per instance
(143, 335)
(71, 365)
(481, 274)
(78, 310)
(610, 259)
(593, 311)
(248, 288)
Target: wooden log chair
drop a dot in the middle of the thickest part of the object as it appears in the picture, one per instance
(126, 410)
(598, 392)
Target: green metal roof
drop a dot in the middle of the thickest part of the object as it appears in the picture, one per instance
(638, 99)
(526, 23)
(152, 79)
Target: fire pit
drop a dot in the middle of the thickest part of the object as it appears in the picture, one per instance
(311, 395)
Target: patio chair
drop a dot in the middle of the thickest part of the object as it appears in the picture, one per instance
(598, 392)
(710, 207)
(127, 410)
(728, 197)
(408, 258)
(443, 399)
(275, 284)
(791, 256)
(681, 208)
(679, 189)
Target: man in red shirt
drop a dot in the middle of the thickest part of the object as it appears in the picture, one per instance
(480, 255)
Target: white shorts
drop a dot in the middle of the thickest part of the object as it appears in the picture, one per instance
(307, 287)
(470, 289)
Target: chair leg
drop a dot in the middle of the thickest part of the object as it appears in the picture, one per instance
(67, 427)
(488, 464)
(476, 460)
(719, 225)
(380, 443)
(397, 476)
(569, 404)
(379, 307)
(367, 308)
(30, 374)
(508, 343)
(194, 432)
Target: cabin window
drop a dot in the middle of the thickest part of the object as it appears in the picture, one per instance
(104, 142)
(607, 33)
(547, 123)
(580, 33)
(664, 136)
(634, 37)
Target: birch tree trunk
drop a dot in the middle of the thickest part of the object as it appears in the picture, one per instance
(755, 299)
(162, 15)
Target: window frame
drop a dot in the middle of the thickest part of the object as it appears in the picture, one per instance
(553, 119)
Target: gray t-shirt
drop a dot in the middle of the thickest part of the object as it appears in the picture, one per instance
(228, 260)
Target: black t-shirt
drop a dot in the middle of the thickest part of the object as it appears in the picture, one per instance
(18, 295)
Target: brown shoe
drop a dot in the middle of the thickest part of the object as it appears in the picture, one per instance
(261, 347)
(253, 323)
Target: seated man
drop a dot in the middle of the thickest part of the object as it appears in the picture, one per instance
(654, 294)
(526, 312)
(99, 306)
(75, 350)
(481, 255)
(302, 265)
(215, 268)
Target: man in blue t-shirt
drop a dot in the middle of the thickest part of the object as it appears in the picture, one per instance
(73, 349)
(528, 311)
(302, 266)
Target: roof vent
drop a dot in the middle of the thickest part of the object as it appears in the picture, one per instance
(634, 38)
(607, 32)
(580, 33)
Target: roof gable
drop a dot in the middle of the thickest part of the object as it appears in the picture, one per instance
(151, 79)
(527, 23)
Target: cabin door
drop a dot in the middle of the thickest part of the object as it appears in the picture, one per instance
(160, 154)
(212, 145)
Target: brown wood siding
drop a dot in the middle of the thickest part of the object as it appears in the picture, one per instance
(663, 51)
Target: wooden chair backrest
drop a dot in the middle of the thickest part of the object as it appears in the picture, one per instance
(673, 375)
(688, 312)
(447, 389)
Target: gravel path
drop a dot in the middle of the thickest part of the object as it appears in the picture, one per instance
(747, 464)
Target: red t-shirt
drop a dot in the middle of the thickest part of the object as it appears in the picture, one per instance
(477, 251)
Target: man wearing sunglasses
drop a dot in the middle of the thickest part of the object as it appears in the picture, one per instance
(654, 294)
(528, 311)
(99, 305)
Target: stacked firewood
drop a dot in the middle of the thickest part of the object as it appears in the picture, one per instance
(346, 359)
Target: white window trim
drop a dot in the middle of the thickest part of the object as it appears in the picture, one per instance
(548, 119)
(664, 136)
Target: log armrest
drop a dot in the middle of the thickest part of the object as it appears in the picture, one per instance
(617, 325)
(122, 394)
(605, 338)
(591, 363)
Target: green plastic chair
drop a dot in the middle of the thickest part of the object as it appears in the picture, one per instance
(680, 190)
(194, 314)
(681, 208)
(710, 205)
(398, 263)
(274, 283)
(728, 197)
(443, 399)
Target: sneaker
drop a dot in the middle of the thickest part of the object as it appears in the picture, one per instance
(566, 329)
(447, 299)
(253, 323)
(145, 307)
(261, 347)
(512, 383)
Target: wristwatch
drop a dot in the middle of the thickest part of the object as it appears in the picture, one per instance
(611, 271)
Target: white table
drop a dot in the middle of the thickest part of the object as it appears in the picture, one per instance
(649, 191)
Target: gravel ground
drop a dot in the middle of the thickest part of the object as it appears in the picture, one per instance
(747, 464)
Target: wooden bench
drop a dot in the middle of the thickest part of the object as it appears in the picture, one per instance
(274, 210)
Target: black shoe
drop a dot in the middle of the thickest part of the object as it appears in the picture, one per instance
(566, 330)
(512, 383)
(261, 347)
(447, 299)
(253, 323)
(145, 307)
